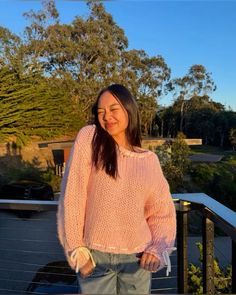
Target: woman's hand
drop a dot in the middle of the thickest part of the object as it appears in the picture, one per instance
(87, 269)
(82, 256)
(149, 262)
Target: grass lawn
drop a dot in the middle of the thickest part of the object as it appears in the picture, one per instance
(229, 155)
(207, 149)
(230, 160)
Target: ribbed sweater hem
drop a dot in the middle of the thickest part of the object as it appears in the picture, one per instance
(116, 250)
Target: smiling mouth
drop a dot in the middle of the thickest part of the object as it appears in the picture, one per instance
(108, 126)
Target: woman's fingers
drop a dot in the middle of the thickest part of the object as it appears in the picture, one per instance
(87, 269)
(149, 262)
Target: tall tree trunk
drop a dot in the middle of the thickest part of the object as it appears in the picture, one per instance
(222, 139)
(181, 117)
(162, 127)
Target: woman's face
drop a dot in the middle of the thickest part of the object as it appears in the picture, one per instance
(112, 117)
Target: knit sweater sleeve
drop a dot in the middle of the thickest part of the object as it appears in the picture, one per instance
(72, 202)
(161, 216)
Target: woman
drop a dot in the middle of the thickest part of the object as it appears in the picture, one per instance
(116, 217)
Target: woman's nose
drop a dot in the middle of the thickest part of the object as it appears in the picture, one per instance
(106, 115)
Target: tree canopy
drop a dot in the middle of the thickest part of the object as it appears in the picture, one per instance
(51, 76)
(59, 67)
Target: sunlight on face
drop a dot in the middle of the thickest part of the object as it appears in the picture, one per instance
(112, 117)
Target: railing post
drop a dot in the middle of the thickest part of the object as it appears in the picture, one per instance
(208, 256)
(233, 291)
(182, 253)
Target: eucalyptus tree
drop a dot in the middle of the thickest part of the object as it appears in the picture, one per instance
(232, 136)
(9, 46)
(225, 122)
(200, 124)
(200, 119)
(196, 83)
(82, 55)
(170, 118)
(91, 53)
(146, 76)
(65, 65)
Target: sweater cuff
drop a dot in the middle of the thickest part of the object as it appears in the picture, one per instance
(79, 257)
(82, 259)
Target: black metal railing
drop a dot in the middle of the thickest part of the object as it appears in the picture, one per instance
(31, 259)
(214, 213)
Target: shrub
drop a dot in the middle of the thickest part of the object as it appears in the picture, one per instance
(32, 173)
(174, 160)
(222, 278)
(218, 180)
(52, 179)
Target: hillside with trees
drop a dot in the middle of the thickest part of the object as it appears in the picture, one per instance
(50, 78)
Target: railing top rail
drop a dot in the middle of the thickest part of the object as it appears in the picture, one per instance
(217, 208)
(222, 211)
(28, 202)
(37, 205)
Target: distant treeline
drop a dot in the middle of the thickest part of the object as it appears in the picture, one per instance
(49, 79)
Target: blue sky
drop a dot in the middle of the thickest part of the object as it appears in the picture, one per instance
(183, 32)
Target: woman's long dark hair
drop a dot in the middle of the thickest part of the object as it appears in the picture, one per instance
(104, 146)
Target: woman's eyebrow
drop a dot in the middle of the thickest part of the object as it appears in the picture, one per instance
(112, 105)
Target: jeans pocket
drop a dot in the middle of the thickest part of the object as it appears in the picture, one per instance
(139, 255)
(87, 276)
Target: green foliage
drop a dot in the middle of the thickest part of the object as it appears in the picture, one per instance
(50, 79)
(205, 127)
(52, 179)
(195, 84)
(58, 69)
(33, 106)
(145, 77)
(195, 113)
(180, 152)
(24, 170)
(203, 173)
(195, 279)
(217, 180)
(203, 118)
(230, 159)
(173, 157)
(222, 277)
(31, 171)
(9, 46)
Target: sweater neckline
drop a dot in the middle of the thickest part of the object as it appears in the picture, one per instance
(142, 154)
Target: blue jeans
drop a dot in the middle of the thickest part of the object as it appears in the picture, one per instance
(116, 274)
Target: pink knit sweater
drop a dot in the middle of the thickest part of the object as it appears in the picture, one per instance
(130, 214)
